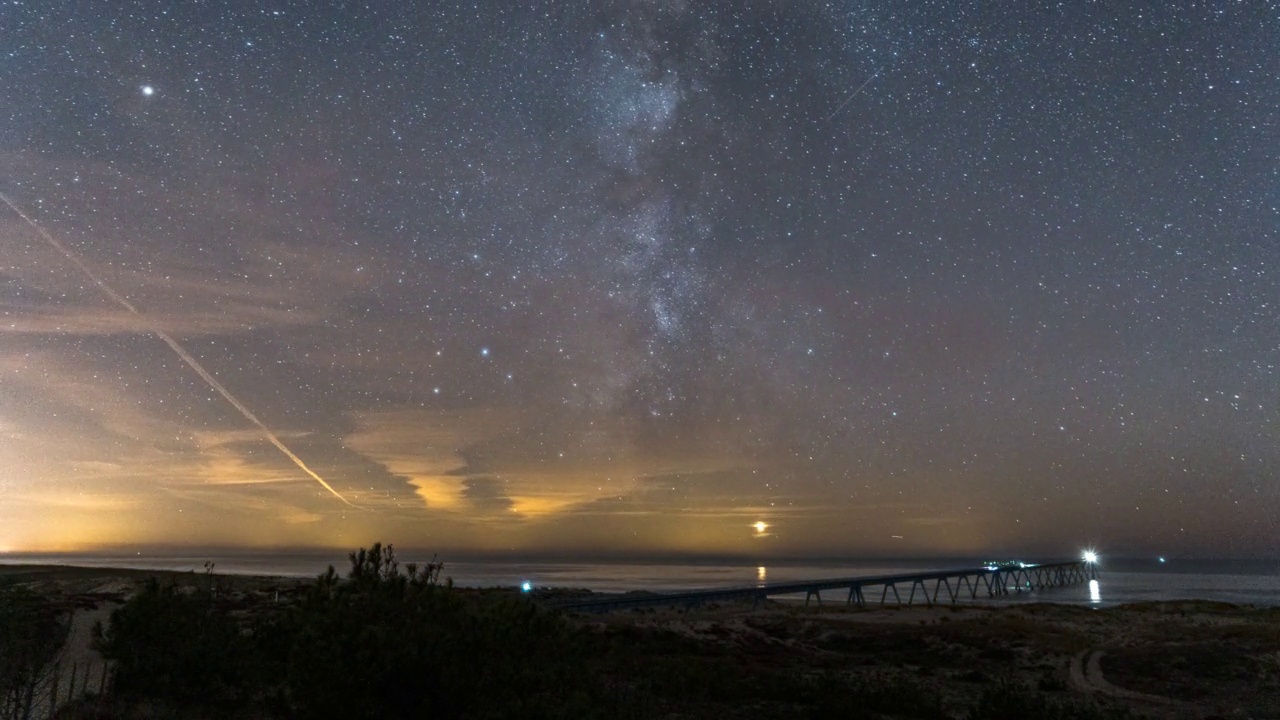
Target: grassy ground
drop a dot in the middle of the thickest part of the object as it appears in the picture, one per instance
(1160, 660)
(1168, 660)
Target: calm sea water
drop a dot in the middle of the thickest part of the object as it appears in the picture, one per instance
(1120, 581)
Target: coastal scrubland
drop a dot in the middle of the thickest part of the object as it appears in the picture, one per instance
(390, 641)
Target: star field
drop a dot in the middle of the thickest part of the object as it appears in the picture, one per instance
(644, 277)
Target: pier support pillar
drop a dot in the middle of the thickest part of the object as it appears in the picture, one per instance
(938, 586)
(923, 591)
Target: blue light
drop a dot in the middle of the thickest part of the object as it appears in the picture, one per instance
(526, 586)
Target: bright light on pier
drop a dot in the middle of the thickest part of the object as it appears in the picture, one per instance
(1089, 556)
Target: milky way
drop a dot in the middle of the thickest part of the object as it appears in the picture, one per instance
(933, 279)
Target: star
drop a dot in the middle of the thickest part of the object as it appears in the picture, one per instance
(827, 247)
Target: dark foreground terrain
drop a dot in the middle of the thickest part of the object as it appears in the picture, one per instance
(392, 642)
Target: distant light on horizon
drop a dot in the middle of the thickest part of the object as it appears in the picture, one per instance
(526, 586)
(760, 527)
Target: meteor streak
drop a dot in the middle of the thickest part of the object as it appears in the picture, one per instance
(177, 349)
(852, 95)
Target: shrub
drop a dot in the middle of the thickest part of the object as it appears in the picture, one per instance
(388, 643)
(874, 695)
(33, 630)
(1008, 699)
(175, 645)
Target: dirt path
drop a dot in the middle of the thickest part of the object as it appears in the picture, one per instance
(1086, 675)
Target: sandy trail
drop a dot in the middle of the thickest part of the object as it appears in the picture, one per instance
(1086, 675)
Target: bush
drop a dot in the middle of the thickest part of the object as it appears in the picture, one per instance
(175, 645)
(1008, 699)
(388, 643)
(385, 642)
(874, 695)
(33, 630)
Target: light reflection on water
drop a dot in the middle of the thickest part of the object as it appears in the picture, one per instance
(1095, 592)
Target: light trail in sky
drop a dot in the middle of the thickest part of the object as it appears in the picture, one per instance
(177, 349)
(852, 95)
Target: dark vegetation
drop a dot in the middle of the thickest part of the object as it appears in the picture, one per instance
(393, 641)
(396, 641)
(386, 641)
(33, 629)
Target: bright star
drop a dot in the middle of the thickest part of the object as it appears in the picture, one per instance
(148, 90)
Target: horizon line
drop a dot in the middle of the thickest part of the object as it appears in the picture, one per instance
(414, 554)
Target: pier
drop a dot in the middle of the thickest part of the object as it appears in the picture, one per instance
(951, 586)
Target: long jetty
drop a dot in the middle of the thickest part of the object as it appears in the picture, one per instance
(994, 581)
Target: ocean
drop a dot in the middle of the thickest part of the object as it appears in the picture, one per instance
(1120, 581)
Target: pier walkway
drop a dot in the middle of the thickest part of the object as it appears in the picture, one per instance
(929, 587)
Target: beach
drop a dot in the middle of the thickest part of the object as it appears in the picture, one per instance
(1177, 659)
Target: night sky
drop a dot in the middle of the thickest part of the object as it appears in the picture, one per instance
(926, 278)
